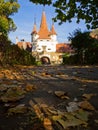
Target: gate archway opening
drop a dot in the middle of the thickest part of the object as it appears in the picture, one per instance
(45, 60)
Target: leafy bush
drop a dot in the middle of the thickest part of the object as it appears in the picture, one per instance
(85, 46)
(12, 54)
(70, 59)
(38, 63)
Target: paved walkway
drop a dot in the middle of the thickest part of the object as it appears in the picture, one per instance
(58, 91)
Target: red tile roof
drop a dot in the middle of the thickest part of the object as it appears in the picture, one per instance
(44, 33)
(53, 32)
(63, 48)
(20, 44)
(34, 29)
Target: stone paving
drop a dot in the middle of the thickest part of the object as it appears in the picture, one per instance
(49, 98)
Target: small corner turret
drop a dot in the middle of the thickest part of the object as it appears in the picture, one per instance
(53, 33)
(34, 34)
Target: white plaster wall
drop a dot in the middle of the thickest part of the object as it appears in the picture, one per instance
(34, 46)
(46, 55)
(50, 45)
(53, 37)
(34, 37)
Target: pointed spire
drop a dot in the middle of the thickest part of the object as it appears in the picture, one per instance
(43, 24)
(34, 27)
(53, 32)
(43, 32)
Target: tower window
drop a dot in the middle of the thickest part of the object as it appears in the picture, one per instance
(49, 48)
(39, 48)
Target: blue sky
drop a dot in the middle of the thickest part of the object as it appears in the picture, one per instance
(24, 21)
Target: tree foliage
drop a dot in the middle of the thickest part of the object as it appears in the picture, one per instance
(86, 47)
(11, 54)
(80, 40)
(86, 10)
(7, 8)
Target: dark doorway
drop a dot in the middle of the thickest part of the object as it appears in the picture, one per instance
(45, 60)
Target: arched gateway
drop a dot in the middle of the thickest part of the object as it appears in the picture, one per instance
(45, 60)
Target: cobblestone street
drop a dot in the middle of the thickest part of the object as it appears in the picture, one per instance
(49, 98)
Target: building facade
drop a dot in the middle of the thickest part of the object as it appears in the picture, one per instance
(44, 44)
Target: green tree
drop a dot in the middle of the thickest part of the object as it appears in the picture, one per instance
(11, 54)
(15, 55)
(4, 44)
(86, 47)
(86, 10)
(80, 40)
(91, 55)
(7, 8)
